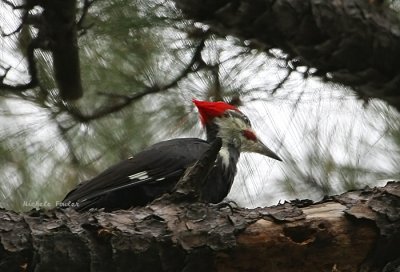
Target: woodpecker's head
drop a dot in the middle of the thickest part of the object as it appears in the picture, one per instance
(232, 126)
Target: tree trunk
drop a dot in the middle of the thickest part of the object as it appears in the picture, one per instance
(356, 231)
(61, 30)
(352, 42)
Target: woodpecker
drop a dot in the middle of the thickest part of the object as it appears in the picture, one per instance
(155, 171)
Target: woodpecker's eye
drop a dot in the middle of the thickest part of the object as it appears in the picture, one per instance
(246, 120)
(248, 134)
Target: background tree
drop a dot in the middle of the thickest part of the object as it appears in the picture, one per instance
(140, 64)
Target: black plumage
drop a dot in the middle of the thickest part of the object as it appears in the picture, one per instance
(153, 172)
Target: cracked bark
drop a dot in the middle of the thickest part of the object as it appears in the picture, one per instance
(356, 231)
(354, 42)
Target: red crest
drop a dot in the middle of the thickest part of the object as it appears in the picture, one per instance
(209, 110)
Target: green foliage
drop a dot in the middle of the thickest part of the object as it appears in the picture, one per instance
(144, 49)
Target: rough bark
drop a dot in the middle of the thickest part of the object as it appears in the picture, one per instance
(356, 231)
(352, 42)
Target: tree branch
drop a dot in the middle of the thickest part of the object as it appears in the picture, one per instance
(282, 81)
(355, 42)
(85, 9)
(57, 32)
(81, 27)
(355, 231)
(126, 100)
(10, 4)
(60, 29)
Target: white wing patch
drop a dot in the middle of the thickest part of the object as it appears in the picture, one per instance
(140, 176)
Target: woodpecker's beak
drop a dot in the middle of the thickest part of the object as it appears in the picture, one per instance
(252, 143)
(262, 149)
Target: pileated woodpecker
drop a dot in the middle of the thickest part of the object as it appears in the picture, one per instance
(156, 170)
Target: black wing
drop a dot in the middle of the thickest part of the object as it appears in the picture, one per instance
(138, 180)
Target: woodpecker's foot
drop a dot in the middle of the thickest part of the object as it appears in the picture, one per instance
(232, 205)
(96, 210)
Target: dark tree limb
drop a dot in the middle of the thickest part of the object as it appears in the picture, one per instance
(57, 33)
(85, 9)
(355, 42)
(61, 31)
(355, 231)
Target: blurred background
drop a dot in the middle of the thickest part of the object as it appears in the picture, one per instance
(141, 65)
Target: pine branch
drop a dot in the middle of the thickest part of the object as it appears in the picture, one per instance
(127, 100)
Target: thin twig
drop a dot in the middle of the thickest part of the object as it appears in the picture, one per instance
(18, 29)
(282, 82)
(85, 9)
(9, 3)
(126, 100)
(31, 70)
